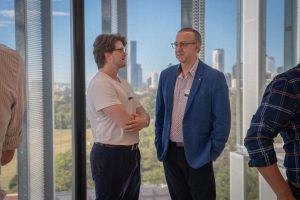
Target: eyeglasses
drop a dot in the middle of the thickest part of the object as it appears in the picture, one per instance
(123, 50)
(181, 44)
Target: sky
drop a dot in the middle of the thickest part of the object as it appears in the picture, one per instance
(153, 24)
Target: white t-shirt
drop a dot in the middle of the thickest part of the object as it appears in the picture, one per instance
(102, 92)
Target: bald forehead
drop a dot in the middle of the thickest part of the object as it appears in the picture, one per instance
(185, 35)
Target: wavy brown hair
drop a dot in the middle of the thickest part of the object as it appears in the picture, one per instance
(105, 43)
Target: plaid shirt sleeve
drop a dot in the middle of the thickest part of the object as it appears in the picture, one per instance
(272, 116)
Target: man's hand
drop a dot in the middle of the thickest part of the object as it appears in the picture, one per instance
(7, 156)
(139, 122)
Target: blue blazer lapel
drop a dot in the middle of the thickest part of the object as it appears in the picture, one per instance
(196, 85)
(170, 89)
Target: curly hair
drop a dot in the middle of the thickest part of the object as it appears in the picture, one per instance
(105, 43)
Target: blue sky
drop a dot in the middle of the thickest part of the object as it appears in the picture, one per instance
(153, 24)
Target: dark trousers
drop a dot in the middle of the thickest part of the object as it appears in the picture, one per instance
(116, 173)
(184, 182)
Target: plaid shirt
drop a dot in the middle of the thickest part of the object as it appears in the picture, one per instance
(279, 112)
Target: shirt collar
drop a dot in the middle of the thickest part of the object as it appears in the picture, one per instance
(192, 71)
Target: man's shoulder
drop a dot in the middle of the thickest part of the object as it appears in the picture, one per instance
(98, 80)
(288, 81)
(170, 68)
(210, 69)
(169, 72)
(9, 53)
(290, 75)
(11, 64)
(210, 72)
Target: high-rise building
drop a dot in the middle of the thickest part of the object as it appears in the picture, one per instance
(114, 20)
(234, 71)
(148, 81)
(290, 34)
(270, 64)
(193, 15)
(131, 60)
(134, 70)
(228, 78)
(139, 75)
(154, 79)
(218, 59)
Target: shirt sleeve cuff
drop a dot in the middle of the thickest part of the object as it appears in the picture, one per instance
(263, 160)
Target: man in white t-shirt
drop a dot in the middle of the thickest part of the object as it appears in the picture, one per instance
(116, 117)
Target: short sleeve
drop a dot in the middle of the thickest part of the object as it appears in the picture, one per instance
(103, 94)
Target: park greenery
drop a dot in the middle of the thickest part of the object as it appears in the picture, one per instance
(151, 168)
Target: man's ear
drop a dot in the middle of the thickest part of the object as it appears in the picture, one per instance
(107, 56)
(198, 46)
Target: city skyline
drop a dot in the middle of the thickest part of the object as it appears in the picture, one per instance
(154, 52)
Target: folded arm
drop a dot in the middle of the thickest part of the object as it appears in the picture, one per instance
(140, 120)
(118, 114)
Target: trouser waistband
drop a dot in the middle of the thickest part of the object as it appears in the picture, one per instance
(113, 146)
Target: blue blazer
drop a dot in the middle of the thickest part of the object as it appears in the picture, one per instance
(206, 121)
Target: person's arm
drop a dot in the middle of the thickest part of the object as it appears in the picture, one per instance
(5, 112)
(118, 114)
(12, 97)
(6, 103)
(140, 121)
(271, 117)
(222, 116)
(108, 101)
(7, 156)
(159, 117)
(274, 178)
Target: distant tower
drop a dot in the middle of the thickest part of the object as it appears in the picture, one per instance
(131, 61)
(193, 15)
(114, 20)
(154, 79)
(139, 75)
(270, 64)
(134, 70)
(218, 59)
(291, 21)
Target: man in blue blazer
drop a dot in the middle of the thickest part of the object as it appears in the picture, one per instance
(192, 120)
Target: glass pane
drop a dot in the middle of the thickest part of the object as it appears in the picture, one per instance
(220, 53)
(151, 52)
(93, 25)
(274, 39)
(275, 46)
(62, 98)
